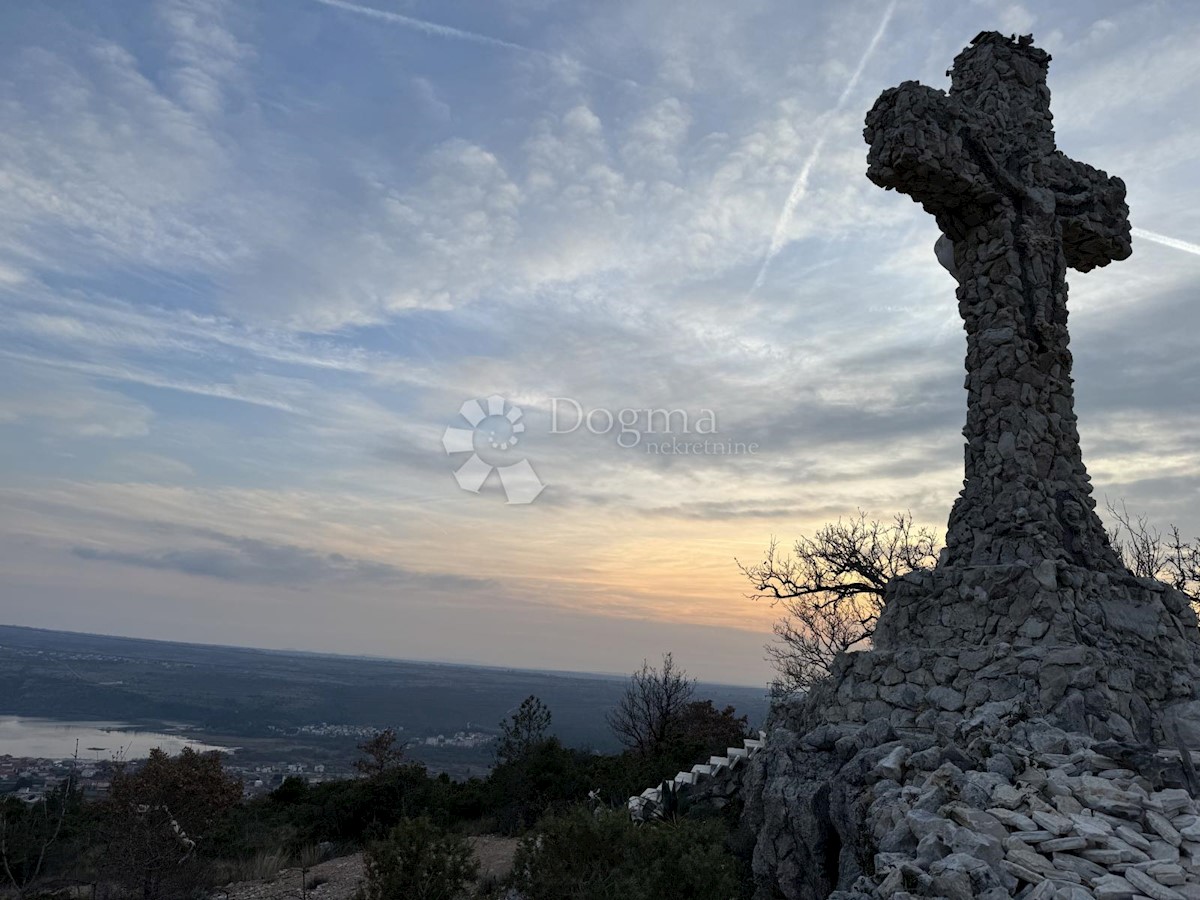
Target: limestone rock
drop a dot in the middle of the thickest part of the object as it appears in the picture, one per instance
(1008, 734)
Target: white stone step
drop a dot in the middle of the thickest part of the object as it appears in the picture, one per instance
(714, 767)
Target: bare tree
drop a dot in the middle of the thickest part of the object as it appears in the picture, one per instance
(650, 714)
(381, 753)
(28, 835)
(1148, 553)
(831, 587)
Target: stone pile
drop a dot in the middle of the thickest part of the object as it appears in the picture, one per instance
(997, 806)
(1080, 687)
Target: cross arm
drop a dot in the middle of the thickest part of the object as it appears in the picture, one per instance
(921, 146)
(1091, 207)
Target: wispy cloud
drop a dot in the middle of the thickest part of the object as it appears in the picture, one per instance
(1166, 241)
(458, 34)
(134, 375)
(120, 326)
(248, 274)
(800, 186)
(251, 561)
(430, 28)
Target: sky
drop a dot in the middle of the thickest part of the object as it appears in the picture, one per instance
(258, 259)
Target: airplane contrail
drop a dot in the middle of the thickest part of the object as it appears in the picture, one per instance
(1166, 241)
(459, 34)
(800, 186)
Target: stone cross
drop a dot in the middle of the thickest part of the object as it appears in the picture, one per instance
(1015, 212)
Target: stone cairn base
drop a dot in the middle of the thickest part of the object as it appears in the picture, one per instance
(1000, 807)
(1092, 652)
(1035, 746)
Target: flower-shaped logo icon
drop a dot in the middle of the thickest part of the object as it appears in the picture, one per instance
(495, 426)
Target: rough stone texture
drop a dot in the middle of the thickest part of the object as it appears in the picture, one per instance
(1027, 561)
(1002, 737)
(871, 811)
(1077, 644)
(982, 161)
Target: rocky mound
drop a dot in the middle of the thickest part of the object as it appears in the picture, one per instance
(998, 806)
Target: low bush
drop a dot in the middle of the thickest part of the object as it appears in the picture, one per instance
(418, 861)
(602, 855)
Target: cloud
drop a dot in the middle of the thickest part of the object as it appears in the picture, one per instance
(250, 561)
(1144, 70)
(252, 294)
(10, 276)
(61, 406)
(433, 29)
(800, 186)
(132, 375)
(1166, 241)
(427, 94)
(206, 56)
(425, 27)
(151, 466)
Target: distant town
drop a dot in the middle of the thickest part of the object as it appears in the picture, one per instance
(273, 714)
(31, 779)
(467, 739)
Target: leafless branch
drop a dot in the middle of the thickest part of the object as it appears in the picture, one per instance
(1148, 553)
(650, 712)
(831, 587)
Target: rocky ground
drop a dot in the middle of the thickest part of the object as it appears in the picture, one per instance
(339, 879)
(999, 808)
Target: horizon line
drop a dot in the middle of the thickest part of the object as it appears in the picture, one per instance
(615, 676)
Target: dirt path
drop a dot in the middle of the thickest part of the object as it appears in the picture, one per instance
(339, 879)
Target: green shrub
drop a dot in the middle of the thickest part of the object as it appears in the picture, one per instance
(418, 861)
(359, 810)
(292, 790)
(45, 837)
(158, 827)
(603, 856)
(547, 777)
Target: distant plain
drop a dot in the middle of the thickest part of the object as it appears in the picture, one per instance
(261, 700)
